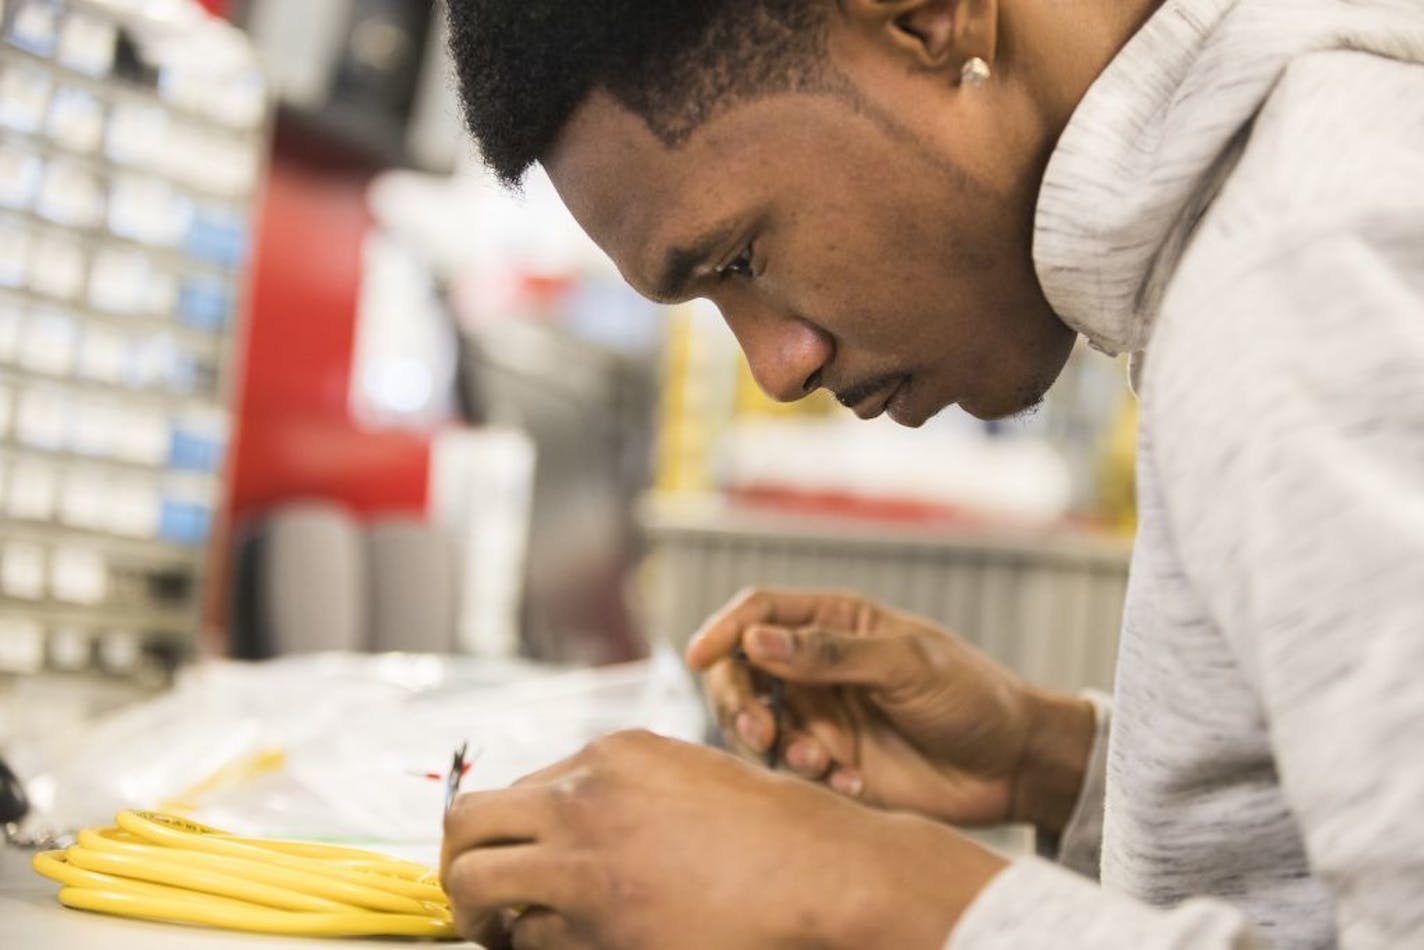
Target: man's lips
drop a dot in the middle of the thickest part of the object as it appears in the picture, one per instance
(873, 403)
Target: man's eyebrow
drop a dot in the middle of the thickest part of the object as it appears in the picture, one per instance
(681, 262)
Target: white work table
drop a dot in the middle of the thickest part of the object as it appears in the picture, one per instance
(31, 918)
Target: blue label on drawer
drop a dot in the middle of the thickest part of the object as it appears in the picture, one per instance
(192, 452)
(218, 237)
(184, 522)
(205, 304)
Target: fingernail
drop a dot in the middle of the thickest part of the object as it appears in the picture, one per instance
(774, 643)
(848, 783)
(796, 757)
(746, 728)
(801, 758)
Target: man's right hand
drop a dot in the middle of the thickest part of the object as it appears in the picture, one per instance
(885, 707)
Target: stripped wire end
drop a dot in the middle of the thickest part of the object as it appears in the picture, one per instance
(438, 776)
(459, 765)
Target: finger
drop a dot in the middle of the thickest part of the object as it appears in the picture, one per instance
(816, 655)
(824, 732)
(849, 782)
(720, 635)
(489, 929)
(542, 929)
(745, 722)
(805, 756)
(831, 716)
(481, 881)
(477, 819)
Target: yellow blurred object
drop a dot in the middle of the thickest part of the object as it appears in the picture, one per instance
(706, 384)
(160, 867)
(256, 765)
(751, 401)
(1117, 468)
(693, 408)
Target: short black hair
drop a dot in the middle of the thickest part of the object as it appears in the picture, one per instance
(525, 66)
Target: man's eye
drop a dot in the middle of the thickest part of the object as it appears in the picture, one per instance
(741, 266)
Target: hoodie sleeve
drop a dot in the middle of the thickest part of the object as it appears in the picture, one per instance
(1079, 847)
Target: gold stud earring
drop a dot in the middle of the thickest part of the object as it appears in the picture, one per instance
(975, 72)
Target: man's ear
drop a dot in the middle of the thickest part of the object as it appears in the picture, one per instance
(933, 34)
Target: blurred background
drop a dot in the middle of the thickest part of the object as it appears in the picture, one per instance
(283, 371)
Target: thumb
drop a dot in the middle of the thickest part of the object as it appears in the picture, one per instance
(816, 655)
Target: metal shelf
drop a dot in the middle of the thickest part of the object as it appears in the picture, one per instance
(153, 551)
(9, 446)
(203, 342)
(1045, 603)
(170, 257)
(56, 614)
(714, 517)
(156, 587)
(112, 92)
(157, 397)
(101, 164)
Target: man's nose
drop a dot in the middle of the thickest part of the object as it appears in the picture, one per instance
(786, 353)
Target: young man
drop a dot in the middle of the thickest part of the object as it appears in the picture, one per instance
(916, 203)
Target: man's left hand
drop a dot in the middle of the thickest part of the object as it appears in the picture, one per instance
(643, 842)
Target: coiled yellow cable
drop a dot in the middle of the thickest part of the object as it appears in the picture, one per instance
(161, 867)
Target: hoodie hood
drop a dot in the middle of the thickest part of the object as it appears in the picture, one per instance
(1158, 132)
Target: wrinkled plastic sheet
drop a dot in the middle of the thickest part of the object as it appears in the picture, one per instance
(347, 740)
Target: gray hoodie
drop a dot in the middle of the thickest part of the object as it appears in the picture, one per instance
(1239, 203)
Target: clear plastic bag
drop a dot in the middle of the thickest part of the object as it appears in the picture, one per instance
(338, 746)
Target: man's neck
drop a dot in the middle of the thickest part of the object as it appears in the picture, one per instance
(1059, 48)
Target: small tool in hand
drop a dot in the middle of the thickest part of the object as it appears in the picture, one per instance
(775, 703)
(458, 768)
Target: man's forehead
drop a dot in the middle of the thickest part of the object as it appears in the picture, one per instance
(617, 178)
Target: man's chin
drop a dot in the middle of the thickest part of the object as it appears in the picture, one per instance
(1024, 401)
(1018, 403)
(910, 412)
(1020, 407)
(914, 423)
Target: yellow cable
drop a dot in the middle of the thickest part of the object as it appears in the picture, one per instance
(161, 867)
(248, 767)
